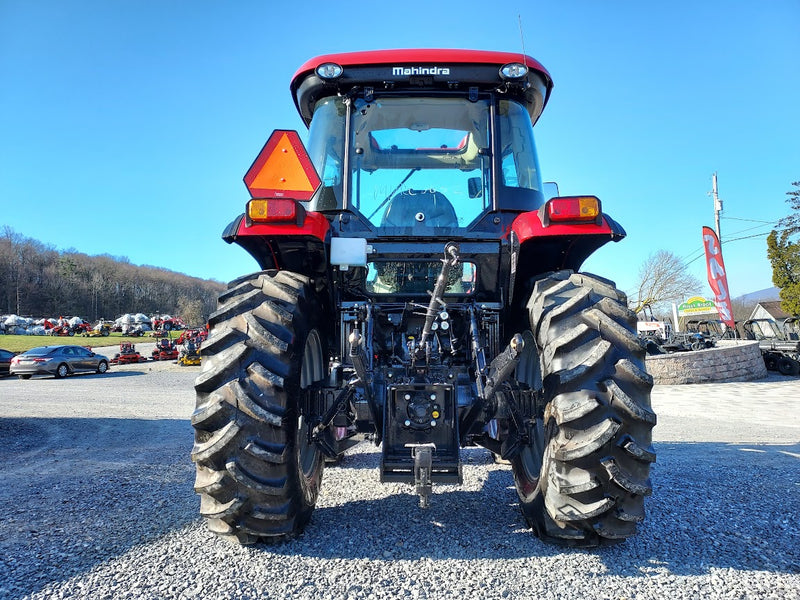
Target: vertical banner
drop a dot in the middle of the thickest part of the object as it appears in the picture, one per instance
(717, 278)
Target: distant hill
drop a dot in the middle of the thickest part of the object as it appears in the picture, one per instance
(39, 281)
(760, 296)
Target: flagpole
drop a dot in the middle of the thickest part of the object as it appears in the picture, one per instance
(717, 206)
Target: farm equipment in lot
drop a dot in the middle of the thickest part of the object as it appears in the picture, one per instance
(165, 349)
(190, 355)
(779, 346)
(710, 330)
(199, 334)
(659, 337)
(101, 329)
(59, 327)
(127, 354)
(82, 328)
(426, 296)
(167, 323)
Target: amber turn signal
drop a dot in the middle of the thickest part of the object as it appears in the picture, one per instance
(573, 208)
(272, 210)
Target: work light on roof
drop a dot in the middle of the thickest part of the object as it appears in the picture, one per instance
(513, 71)
(329, 70)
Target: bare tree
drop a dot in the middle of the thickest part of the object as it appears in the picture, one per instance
(38, 280)
(191, 309)
(664, 278)
(742, 309)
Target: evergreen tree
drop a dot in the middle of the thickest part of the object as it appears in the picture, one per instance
(784, 254)
(791, 224)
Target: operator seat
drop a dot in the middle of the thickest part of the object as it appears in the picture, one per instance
(419, 208)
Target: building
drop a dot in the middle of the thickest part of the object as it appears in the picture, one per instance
(769, 309)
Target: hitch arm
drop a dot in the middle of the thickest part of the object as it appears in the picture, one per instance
(451, 259)
(503, 365)
(499, 371)
(358, 356)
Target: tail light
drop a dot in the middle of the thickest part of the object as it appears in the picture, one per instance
(572, 209)
(275, 210)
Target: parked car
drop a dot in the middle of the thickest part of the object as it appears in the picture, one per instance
(5, 362)
(57, 360)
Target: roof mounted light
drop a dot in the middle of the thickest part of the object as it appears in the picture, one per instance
(329, 70)
(513, 71)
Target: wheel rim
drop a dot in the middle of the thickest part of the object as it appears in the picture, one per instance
(311, 370)
(528, 465)
(62, 371)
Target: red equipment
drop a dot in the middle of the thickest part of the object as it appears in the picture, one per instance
(127, 354)
(187, 334)
(420, 287)
(165, 350)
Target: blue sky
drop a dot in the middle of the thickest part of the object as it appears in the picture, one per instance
(126, 127)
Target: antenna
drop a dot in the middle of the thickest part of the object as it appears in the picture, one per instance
(522, 39)
(717, 205)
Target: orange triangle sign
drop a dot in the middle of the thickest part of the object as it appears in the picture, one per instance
(282, 169)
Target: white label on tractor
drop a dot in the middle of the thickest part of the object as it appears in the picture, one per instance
(420, 71)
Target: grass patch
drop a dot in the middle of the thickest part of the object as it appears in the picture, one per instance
(21, 343)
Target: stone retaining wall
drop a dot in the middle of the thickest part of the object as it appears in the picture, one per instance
(729, 361)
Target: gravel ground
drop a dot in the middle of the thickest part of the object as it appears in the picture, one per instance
(97, 490)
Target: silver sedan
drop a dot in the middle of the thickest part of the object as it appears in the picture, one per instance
(57, 360)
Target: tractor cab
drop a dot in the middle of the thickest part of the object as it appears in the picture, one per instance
(411, 150)
(423, 143)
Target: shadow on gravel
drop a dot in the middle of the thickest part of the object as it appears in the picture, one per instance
(78, 492)
(725, 506)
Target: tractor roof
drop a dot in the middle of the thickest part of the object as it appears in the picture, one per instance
(421, 71)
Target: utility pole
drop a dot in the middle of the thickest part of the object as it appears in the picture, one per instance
(717, 206)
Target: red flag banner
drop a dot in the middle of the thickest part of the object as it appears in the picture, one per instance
(717, 278)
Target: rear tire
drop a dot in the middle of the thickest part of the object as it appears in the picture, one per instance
(257, 476)
(795, 367)
(583, 477)
(788, 366)
(62, 371)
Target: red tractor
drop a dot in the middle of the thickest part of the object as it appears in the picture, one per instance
(418, 289)
(198, 333)
(165, 349)
(127, 354)
(167, 323)
(60, 327)
(83, 328)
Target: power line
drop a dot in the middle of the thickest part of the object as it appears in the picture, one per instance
(752, 220)
(746, 237)
(702, 251)
(748, 229)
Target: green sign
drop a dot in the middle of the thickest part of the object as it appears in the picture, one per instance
(697, 305)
